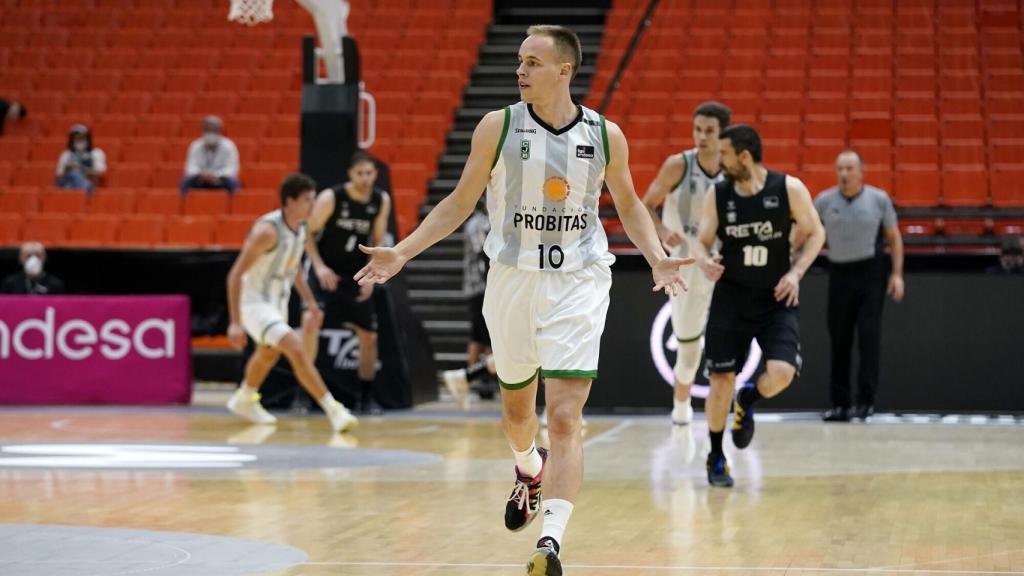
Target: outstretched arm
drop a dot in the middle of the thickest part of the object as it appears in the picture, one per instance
(635, 217)
(448, 214)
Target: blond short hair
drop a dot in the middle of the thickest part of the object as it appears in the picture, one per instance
(567, 43)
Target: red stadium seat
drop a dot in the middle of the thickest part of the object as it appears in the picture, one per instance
(141, 231)
(205, 203)
(918, 227)
(965, 226)
(916, 187)
(112, 201)
(190, 232)
(164, 203)
(50, 229)
(94, 231)
(964, 186)
(1007, 187)
(61, 202)
(10, 229)
(231, 231)
(252, 203)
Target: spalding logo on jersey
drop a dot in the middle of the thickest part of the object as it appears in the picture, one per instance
(556, 189)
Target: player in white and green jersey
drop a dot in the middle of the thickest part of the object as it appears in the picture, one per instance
(681, 183)
(543, 162)
(259, 286)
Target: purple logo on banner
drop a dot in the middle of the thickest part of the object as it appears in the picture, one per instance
(95, 350)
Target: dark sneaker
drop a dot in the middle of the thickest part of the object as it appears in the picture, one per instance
(718, 471)
(864, 411)
(836, 414)
(742, 424)
(544, 561)
(524, 503)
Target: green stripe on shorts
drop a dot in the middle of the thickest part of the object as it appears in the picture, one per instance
(263, 335)
(688, 340)
(520, 385)
(586, 374)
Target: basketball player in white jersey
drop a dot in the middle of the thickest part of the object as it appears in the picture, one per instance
(681, 183)
(259, 286)
(543, 162)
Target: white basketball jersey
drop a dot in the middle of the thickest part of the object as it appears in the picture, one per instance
(544, 190)
(270, 279)
(685, 203)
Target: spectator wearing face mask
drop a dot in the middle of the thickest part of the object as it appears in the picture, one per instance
(212, 160)
(81, 165)
(32, 280)
(11, 111)
(1011, 258)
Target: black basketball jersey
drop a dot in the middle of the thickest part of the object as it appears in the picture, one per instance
(350, 224)
(754, 231)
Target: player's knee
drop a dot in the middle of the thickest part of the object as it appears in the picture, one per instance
(516, 415)
(291, 346)
(687, 362)
(780, 373)
(564, 420)
(722, 383)
(308, 319)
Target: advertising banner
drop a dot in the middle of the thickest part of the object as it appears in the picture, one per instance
(95, 350)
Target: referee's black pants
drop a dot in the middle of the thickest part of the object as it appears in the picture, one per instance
(856, 293)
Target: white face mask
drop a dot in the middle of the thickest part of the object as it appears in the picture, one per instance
(81, 145)
(33, 265)
(211, 139)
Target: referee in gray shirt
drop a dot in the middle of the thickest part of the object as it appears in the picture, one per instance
(855, 216)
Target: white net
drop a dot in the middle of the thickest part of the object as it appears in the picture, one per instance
(251, 12)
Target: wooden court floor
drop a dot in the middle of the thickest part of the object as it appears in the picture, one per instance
(876, 499)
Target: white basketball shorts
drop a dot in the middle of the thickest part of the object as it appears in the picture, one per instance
(546, 322)
(266, 323)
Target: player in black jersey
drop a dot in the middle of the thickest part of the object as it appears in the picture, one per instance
(344, 217)
(758, 286)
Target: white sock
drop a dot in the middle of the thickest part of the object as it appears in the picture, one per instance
(529, 462)
(246, 391)
(556, 516)
(680, 406)
(327, 401)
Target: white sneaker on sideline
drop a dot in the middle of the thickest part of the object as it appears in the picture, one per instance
(682, 417)
(458, 386)
(246, 404)
(341, 419)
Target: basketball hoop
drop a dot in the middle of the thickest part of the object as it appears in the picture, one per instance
(251, 12)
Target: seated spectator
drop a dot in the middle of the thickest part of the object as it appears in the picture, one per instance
(212, 160)
(1011, 260)
(81, 165)
(32, 280)
(11, 110)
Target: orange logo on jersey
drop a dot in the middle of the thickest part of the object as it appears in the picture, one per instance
(556, 189)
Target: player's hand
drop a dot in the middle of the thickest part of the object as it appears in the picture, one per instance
(712, 267)
(236, 336)
(788, 289)
(384, 263)
(670, 239)
(667, 276)
(896, 287)
(365, 292)
(326, 277)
